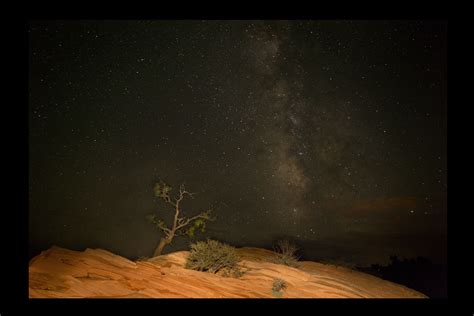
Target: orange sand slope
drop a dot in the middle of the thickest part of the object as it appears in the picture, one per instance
(63, 273)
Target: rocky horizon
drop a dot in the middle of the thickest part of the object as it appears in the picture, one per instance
(97, 273)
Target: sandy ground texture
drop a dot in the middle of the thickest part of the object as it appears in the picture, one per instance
(97, 273)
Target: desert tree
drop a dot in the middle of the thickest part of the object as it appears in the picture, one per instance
(181, 225)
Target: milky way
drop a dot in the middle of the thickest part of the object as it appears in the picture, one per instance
(278, 133)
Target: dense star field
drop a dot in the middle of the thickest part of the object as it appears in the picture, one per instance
(330, 133)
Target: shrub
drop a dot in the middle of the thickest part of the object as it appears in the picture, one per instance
(286, 253)
(235, 272)
(213, 256)
(279, 285)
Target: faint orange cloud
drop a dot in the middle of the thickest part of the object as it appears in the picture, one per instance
(381, 205)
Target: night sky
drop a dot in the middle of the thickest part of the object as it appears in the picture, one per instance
(330, 133)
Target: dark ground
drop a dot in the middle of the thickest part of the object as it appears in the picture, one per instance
(418, 274)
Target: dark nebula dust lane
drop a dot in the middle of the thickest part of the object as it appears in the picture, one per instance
(330, 133)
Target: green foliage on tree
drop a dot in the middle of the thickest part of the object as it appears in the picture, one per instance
(181, 225)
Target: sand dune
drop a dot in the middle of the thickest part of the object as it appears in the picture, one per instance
(97, 273)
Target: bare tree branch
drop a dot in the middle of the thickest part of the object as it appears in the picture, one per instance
(164, 228)
(184, 223)
(189, 220)
(180, 233)
(202, 215)
(168, 200)
(181, 220)
(182, 193)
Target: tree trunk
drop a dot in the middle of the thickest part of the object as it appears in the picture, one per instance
(161, 245)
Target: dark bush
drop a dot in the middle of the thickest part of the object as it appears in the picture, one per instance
(286, 253)
(279, 285)
(213, 256)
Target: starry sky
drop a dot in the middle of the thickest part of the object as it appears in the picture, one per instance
(329, 133)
